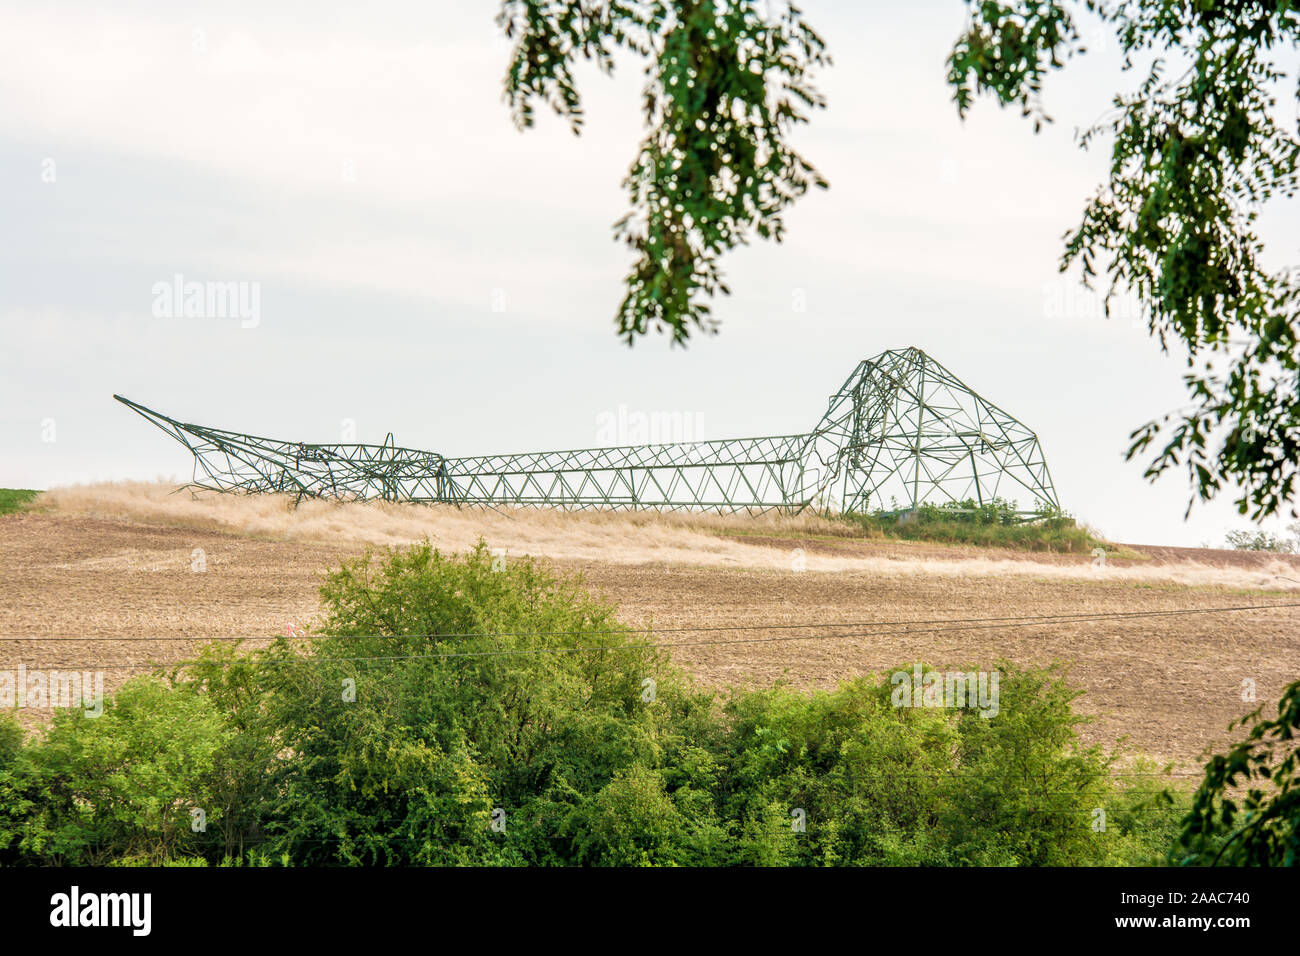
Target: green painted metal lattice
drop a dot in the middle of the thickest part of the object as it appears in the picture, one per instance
(901, 431)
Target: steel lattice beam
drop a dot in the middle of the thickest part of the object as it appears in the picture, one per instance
(901, 431)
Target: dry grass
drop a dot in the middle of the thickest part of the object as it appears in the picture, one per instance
(767, 542)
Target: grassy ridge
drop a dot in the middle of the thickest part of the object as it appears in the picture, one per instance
(12, 499)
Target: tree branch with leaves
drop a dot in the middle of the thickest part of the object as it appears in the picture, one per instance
(725, 82)
(1246, 811)
(1194, 157)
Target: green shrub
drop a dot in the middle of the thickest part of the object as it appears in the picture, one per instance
(1255, 539)
(449, 722)
(120, 785)
(991, 524)
(883, 785)
(13, 499)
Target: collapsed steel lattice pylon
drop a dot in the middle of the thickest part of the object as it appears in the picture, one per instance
(901, 431)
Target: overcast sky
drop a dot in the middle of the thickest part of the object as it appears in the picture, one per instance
(425, 268)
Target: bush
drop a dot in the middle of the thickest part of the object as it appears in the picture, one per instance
(15, 499)
(995, 523)
(119, 785)
(468, 698)
(1256, 540)
(886, 785)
